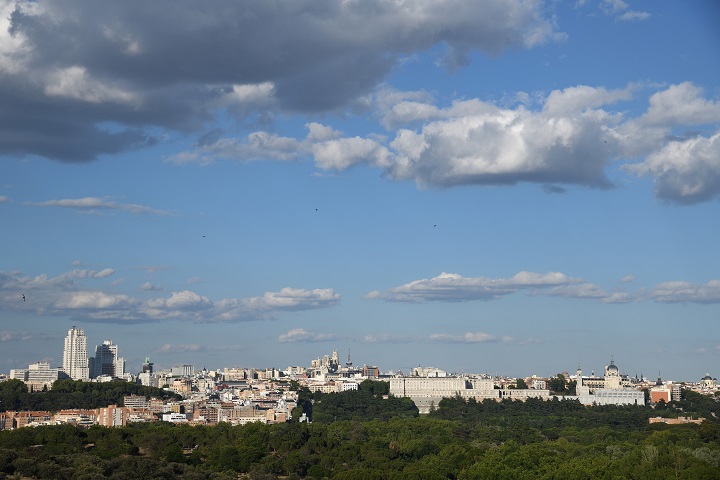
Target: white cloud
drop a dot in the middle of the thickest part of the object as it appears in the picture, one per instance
(255, 94)
(619, 10)
(633, 16)
(343, 153)
(686, 292)
(469, 337)
(184, 300)
(63, 296)
(4, 199)
(94, 301)
(136, 69)
(180, 348)
(388, 338)
(570, 140)
(456, 288)
(257, 146)
(149, 287)
(293, 299)
(15, 49)
(479, 337)
(681, 104)
(75, 82)
(613, 6)
(575, 100)
(303, 336)
(684, 172)
(450, 287)
(96, 203)
(104, 273)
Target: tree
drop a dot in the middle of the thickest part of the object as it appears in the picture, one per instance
(557, 384)
(375, 387)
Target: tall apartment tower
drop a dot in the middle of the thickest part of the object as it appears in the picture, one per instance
(106, 361)
(75, 359)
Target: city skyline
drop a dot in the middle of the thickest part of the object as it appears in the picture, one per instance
(106, 355)
(480, 186)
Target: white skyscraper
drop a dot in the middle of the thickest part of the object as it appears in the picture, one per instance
(106, 361)
(75, 360)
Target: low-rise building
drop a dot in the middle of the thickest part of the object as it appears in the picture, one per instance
(675, 421)
(426, 392)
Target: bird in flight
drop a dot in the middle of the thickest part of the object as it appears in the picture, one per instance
(23, 296)
(434, 226)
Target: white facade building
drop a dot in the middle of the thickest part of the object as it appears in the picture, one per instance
(426, 392)
(38, 376)
(609, 391)
(75, 359)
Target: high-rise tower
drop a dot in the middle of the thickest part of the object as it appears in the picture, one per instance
(75, 360)
(106, 361)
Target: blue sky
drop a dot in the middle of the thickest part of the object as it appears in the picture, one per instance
(515, 187)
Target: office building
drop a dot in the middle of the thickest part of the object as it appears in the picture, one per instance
(106, 361)
(75, 359)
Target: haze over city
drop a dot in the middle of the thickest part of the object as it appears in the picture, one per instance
(512, 187)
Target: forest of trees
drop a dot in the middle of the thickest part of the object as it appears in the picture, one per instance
(360, 435)
(73, 394)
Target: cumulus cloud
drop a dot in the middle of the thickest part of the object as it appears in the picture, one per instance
(448, 287)
(150, 287)
(685, 172)
(572, 138)
(66, 295)
(174, 65)
(94, 204)
(75, 83)
(451, 287)
(300, 335)
(681, 104)
(686, 292)
(93, 301)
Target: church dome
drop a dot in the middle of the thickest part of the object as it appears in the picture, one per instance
(707, 377)
(612, 367)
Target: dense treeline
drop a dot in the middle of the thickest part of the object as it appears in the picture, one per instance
(543, 416)
(409, 448)
(369, 402)
(71, 394)
(461, 440)
(361, 435)
(692, 403)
